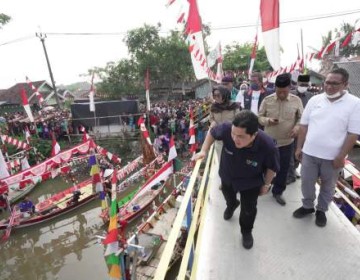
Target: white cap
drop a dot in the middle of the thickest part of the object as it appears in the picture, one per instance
(108, 172)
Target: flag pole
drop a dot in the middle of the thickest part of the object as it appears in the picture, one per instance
(302, 47)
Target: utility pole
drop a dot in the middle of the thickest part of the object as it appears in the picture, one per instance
(42, 38)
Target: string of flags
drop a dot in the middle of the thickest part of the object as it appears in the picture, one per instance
(15, 142)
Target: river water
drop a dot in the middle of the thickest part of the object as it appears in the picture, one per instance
(65, 248)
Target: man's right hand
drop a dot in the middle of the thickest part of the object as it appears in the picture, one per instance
(298, 154)
(273, 121)
(199, 155)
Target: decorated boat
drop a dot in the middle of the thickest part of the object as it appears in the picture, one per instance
(151, 237)
(52, 207)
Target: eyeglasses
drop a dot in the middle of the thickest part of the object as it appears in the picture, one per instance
(328, 83)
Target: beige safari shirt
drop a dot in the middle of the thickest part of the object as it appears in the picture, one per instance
(287, 111)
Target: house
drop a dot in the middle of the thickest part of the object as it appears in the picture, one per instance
(353, 67)
(10, 99)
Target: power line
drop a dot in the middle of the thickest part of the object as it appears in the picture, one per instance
(309, 18)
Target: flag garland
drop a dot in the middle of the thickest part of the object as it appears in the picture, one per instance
(37, 93)
(15, 142)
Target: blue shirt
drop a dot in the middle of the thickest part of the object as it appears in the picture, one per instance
(245, 168)
(26, 206)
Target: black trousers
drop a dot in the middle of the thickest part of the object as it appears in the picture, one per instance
(286, 152)
(248, 203)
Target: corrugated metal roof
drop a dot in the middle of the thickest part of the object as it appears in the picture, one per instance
(353, 67)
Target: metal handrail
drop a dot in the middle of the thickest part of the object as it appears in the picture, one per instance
(171, 242)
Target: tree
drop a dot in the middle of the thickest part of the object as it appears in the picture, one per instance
(237, 58)
(4, 19)
(167, 58)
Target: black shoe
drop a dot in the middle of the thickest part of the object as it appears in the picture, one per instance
(290, 180)
(247, 240)
(279, 199)
(229, 211)
(302, 212)
(320, 218)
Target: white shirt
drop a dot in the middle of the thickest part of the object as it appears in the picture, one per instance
(328, 124)
(255, 101)
(240, 97)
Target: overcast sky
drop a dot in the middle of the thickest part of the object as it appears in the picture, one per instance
(71, 56)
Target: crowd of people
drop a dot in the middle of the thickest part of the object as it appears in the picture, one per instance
(277, 128)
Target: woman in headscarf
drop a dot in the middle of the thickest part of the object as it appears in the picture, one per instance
(222, 110)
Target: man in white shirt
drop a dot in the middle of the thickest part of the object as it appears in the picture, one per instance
(329, 128)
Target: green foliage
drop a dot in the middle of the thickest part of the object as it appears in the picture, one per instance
(4, 19)
(167, 58)
(237, 58)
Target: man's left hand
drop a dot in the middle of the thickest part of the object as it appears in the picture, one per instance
(338, 162)
(294, 132)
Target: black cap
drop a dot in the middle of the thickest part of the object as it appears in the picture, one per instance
(283, 80)
(227, 79)
(304, 78)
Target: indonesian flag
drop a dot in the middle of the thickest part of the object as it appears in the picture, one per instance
(328, 48)
(147, 89)
(91, 95)
(37, 93)
(172, 149)
(3, 167)
(196, 42)
(144, 130)
(55, 146)
(253, 55)
(26, 105)
(270, 22)
(347, 40)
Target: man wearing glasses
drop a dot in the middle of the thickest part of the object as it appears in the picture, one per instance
(329, 128)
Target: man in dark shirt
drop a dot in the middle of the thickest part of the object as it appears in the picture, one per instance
(249, 161)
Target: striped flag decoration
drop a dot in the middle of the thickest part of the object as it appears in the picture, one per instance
(111, 239)
(144, 130)
(15, 142)
(26, 104)
(172, 149)
(37, 93)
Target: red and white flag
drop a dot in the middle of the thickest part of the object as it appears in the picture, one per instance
(37, 93)
(196, 42)
(270, 22)
(91, 95)
(55, 146)
(144, 131)
(172, 149)
(26, 105)
(147, 89)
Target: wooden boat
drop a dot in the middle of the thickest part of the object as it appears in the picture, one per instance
(52, 207)
(151, 237)
(147, 193)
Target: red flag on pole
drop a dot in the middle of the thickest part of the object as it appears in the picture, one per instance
(147, 89)
(270, 22)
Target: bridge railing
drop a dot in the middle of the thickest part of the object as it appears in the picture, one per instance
(194, 213)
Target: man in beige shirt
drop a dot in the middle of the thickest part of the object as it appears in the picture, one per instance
(280, 114)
